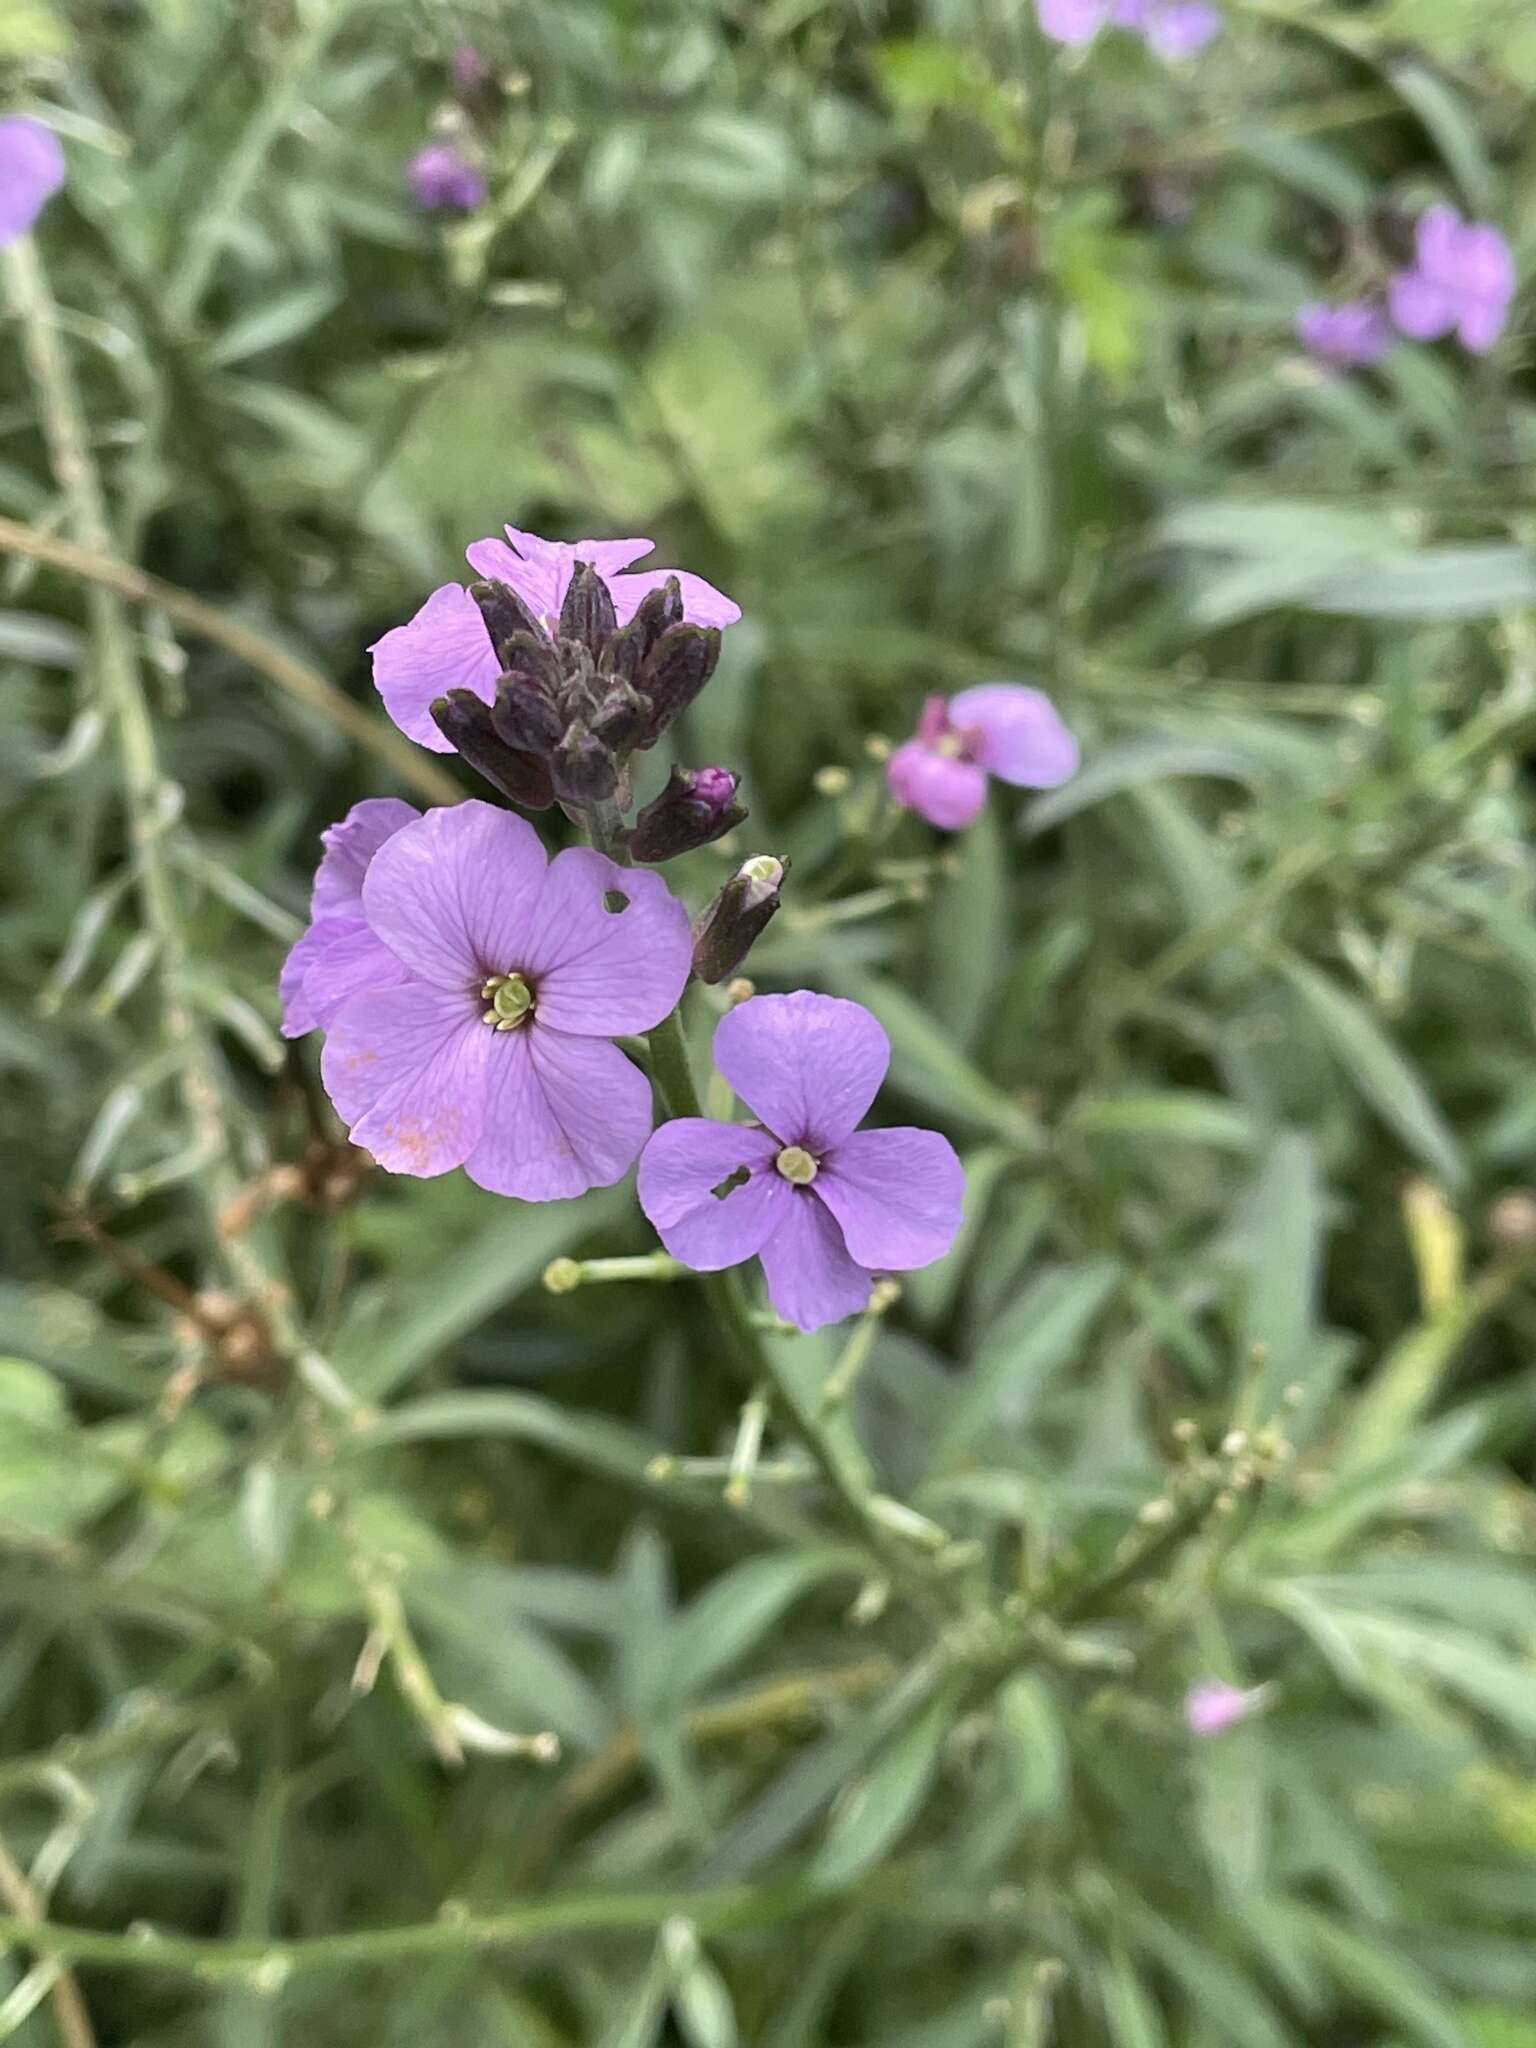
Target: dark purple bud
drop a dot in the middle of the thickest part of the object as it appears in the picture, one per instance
(505, 616)
(682, 663)
(584, 770)
(732, 924)
(659, 610)
(468, 70)
(525, 714)
(465, 722)
(697, 806)
(620, 716)
(587, 614)
(444, 181)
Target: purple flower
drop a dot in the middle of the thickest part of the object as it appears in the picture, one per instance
(1001, 729)
(470, 1004)
(1073, 22)
(443, 180)
(1348, 336)
(1211, 1705)
(824, 1206)
(1463, 278)
(1171, 29)
(446, 646)
(31, 171)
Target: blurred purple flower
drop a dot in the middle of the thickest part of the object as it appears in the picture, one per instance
(1072, 22)
(31, 171)
(468, 69)
(446, 646)
(339, 953)
(1352, 335)
(1001, 729)
(1463, 278)
(470, 1012)
(824, 1205)
(1211, 1705)
(443, 180)
(1171, 29)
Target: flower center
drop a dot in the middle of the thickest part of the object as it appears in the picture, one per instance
(949, 745)
(797, 1165)
(511, 1001)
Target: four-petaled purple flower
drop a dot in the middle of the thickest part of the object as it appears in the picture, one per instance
(443, 180)
(1171, 29)
(824, 1205)
(1353, 335)
(1211, 1706)
(31, 171)
(471, 1004)
(446, 645)
(1463, 278)
(1001, 729)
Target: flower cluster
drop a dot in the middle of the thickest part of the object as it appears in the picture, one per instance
(548, 672)
(1462, 281)
(471, 989)
(1171, 29)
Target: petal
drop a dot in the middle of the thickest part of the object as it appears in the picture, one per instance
(346, 965)
(31, 171)
(562, 1115)
(807, 1066)
(896, 1195)
(539, 570)
(1071, 21)
(406, 1071)
(349, 846)
(1481, 324)
(453, 894)
(680, 1171)
(702, 603)
(298, 1015)
(1023, 740)
(538, 579)
(602, 972)
(947, 792)
(1420, 308)
(1181, 28)
(1488, 265)
(811, 1279)
(444, 647)
(1437, 242)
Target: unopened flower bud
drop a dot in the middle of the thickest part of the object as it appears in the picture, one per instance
(525, 715)
(658, 611)
(584, 770)
(682, 663)
(734, 921)
(465, 722)
(504, 613)
(587, 614)
(698, 805)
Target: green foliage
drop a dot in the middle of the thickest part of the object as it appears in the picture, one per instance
(322, 1524)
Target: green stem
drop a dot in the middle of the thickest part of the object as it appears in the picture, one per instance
(145, 790)
(272, 1962)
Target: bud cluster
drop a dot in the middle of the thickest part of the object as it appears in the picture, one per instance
(572, 703)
